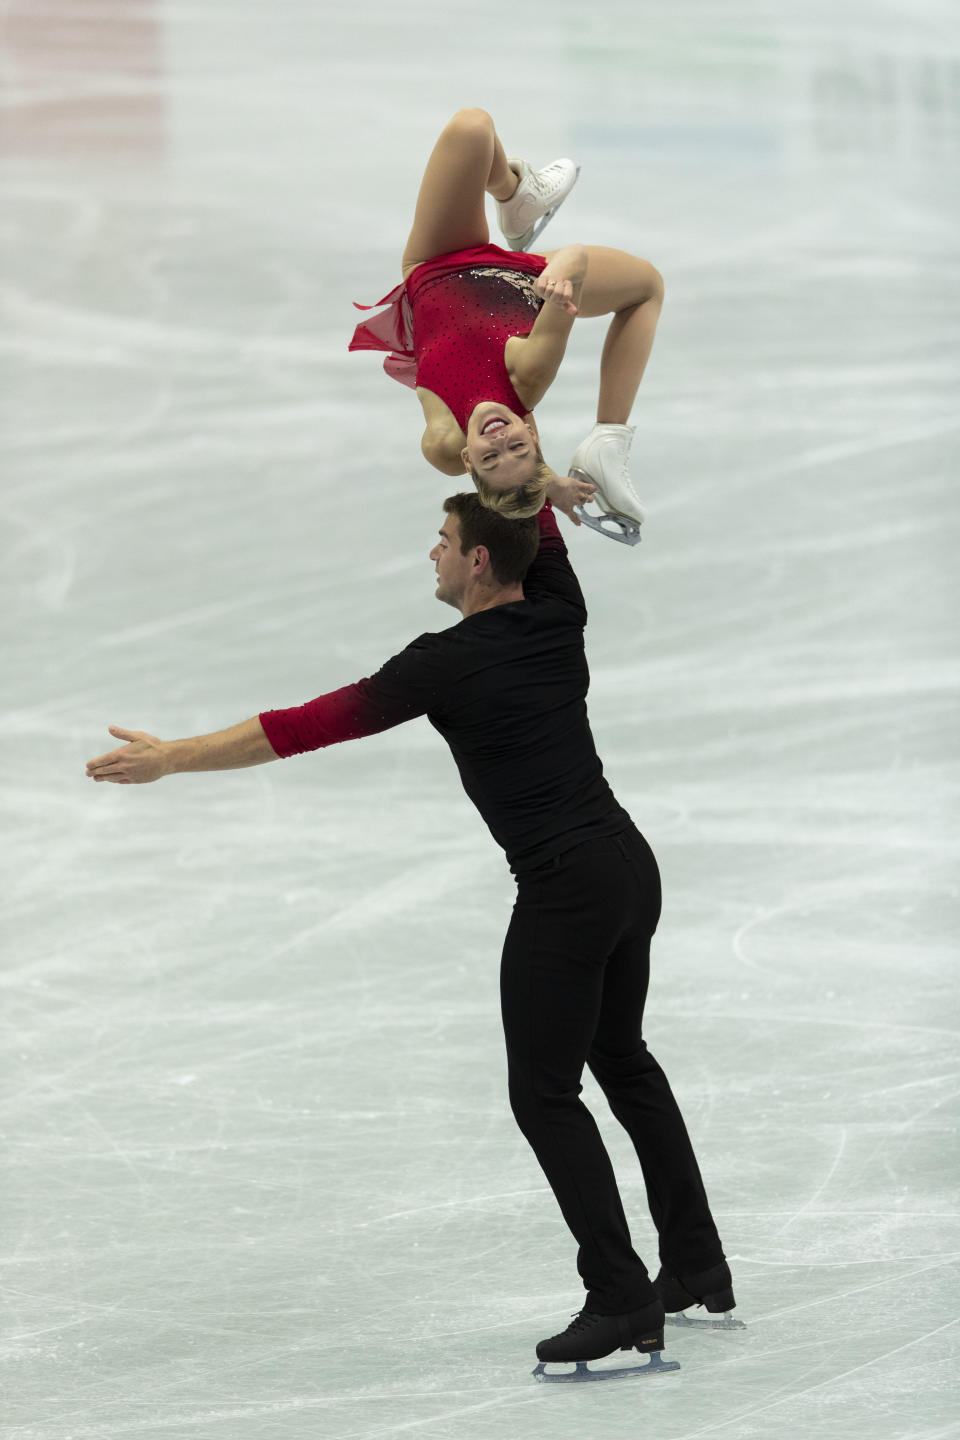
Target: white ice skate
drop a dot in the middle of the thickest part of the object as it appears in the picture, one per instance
(602, 460)
(535, 201)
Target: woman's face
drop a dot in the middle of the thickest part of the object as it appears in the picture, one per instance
(501, 447)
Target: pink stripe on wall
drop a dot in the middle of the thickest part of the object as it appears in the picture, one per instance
(82, 78)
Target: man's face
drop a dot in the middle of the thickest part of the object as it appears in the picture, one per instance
(453, 569)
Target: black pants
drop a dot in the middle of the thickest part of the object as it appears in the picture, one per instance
(576, 965)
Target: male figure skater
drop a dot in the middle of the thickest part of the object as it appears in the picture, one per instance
(506, 688)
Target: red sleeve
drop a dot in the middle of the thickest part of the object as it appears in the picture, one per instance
(342, 715)
(409, 685)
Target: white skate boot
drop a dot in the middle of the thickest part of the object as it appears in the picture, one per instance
(602, 459)
(535, 201)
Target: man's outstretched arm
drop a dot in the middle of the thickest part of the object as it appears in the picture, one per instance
(402, 689)
(144, 758)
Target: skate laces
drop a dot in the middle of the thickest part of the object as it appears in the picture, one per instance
(546, 181)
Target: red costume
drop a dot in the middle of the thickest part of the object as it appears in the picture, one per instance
(449, 322)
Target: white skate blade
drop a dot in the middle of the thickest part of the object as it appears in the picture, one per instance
(695, 1322)
(544, 220)
(612, 524)
(656, 1365)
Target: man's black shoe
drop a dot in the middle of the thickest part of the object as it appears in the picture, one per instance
(590, 1336)
(711, 1288)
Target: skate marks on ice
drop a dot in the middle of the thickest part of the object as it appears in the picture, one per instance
(581, 1372)
(747, 1421)
(204, 1093)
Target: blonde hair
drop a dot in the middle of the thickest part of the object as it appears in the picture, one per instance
(521, 501)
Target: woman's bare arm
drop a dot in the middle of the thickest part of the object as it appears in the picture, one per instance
(533, 361)
(442, 440)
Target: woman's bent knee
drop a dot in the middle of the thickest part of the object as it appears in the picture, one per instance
(471, 121)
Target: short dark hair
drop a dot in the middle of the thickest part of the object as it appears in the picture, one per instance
(512, 544)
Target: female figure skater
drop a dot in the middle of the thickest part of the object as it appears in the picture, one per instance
(480, 332)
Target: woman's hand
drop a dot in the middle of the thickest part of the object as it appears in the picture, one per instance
(559, 284)
(564, 492)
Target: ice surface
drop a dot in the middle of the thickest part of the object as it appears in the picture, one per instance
(261, 1177)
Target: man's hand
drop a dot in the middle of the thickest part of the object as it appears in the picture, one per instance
(559, 284)
(138, 762)
(145, 758)
(564, 492)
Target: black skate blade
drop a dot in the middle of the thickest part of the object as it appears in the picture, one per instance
(612, 524)
(656, 1365)
(696, 1322)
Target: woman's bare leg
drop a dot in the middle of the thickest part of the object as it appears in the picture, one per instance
(632, 291)
(468, 162)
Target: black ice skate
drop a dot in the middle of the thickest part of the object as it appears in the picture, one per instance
(713, 1289)
(591, 1336)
